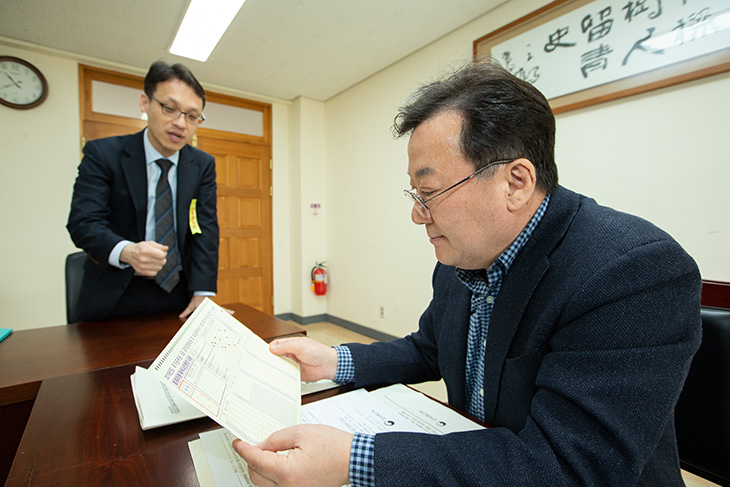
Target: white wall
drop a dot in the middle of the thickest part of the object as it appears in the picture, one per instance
(40, 153)
(662, 155)
(281, 201)
(307, 187)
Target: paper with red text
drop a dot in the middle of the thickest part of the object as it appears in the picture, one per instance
(226, 371)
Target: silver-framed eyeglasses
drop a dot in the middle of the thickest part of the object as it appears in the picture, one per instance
(413, 194)
(172, 112)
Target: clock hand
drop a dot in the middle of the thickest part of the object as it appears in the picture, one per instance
(14, 82)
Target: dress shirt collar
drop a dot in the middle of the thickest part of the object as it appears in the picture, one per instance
(472, 278)
(151, 154)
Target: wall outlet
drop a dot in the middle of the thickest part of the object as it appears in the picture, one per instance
(382, 312)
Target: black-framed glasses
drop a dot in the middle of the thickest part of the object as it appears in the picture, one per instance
(413, 194)
(172, 112)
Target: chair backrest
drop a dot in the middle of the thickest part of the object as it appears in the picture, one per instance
(702, 415)
(74, 273)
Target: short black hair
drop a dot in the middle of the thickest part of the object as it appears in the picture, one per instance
(160, 72)
(504, 117)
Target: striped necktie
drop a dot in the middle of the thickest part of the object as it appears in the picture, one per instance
(169, 275)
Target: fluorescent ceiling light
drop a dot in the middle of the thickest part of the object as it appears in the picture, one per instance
(203, 26)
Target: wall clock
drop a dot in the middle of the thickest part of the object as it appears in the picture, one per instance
(22, 85)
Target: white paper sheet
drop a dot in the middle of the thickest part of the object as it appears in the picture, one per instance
(431, 416)
(227, 467)
(226, 371)
(320, 385)
(356, 412)
(200, 462)
(157, 404)
(394, 408)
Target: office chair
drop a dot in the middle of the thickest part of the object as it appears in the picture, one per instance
(702, 415)
(74, 273)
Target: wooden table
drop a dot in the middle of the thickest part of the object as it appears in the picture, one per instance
(84, 430)
(63, 356)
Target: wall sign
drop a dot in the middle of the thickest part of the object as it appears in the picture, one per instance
(583, 52)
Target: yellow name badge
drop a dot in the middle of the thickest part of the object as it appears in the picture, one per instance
(194, 227)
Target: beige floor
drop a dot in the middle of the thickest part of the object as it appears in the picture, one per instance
(330, 334)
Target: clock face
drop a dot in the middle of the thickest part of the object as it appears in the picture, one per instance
(21, 84)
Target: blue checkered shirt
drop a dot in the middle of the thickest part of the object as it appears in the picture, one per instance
(484, 290)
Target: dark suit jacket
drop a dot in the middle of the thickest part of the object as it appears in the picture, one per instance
(110, 204)
(589, 344)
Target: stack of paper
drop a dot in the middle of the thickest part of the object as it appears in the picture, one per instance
(394, 408)
(157, 404)
(224, 370)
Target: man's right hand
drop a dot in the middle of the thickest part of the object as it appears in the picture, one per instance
(147, 258)
(316, 361)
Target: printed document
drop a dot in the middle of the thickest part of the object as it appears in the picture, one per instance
(393, 408)
(157, 404)
(430, 416)
(222, 368)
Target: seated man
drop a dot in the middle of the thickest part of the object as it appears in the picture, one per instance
(131, 208)
(567, 326)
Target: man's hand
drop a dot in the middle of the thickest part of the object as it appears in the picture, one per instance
(192, 306)
(147, 258)
(316, 361)
(317, 456)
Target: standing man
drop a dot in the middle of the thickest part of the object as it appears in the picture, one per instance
(144, 208)
(567, 326)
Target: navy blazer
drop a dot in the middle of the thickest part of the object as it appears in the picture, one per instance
(110, 204)
(589, 344)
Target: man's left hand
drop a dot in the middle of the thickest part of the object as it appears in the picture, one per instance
(194, 303)
(316, 455)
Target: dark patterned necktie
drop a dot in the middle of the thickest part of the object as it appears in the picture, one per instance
(169, 275)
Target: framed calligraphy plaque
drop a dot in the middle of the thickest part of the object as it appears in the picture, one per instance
(584, 52)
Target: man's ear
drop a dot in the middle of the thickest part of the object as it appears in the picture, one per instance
(522, 182)
(144, 102)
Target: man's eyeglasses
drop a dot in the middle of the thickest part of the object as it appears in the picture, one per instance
(413, 194)
(172, 112)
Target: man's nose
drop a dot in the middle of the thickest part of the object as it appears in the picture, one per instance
(179, 121)
(420, 215)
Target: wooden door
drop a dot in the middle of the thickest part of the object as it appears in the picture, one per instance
(96, 130)
(244, 216)
(243, 171)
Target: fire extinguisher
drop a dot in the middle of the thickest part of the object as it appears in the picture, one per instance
(319, 279)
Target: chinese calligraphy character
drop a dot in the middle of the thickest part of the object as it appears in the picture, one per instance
(595, 59)
(640, 46)
(639, 7)
(531, 75)
(508, 64)
(599, 30)
(696, 26)
(555, 40)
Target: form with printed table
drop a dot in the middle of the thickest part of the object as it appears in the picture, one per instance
(222, 368)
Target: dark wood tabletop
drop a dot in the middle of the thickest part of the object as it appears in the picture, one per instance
(84, 430)
(61, 355)
(29, 356)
